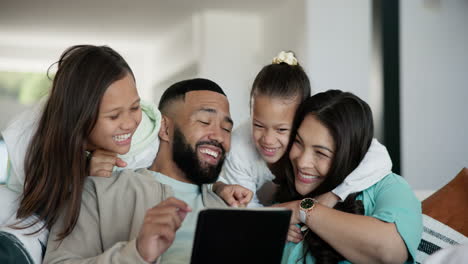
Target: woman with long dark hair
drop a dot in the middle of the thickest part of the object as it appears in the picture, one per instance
(332, 132)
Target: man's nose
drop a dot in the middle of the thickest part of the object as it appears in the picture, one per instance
(216, 134)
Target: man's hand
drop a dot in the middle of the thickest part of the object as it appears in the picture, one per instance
(102, 163)
(159, 228)
(234, 195)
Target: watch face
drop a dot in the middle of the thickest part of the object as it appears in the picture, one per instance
(307, 203)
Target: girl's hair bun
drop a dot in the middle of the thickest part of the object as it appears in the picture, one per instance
(285, 57)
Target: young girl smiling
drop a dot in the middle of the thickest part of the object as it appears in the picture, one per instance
(257, 144)
(91, 115)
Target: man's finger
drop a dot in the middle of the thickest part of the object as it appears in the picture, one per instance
(176, 203)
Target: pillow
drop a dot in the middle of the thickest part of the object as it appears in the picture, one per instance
(436, 236)
(449, 205)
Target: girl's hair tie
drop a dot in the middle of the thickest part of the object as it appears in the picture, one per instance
(285, 57)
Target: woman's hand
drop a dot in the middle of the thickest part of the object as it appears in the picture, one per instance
(294, 207)
(234, 195)
(102, 163)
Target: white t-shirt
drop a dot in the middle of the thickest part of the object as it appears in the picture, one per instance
(245, 166)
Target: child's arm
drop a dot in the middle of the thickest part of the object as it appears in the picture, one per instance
(237, 171)
(375, 165)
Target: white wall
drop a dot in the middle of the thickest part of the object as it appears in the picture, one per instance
(338, 37)
(229, 42)
(434, 91)
(163, 41)
(338, 45)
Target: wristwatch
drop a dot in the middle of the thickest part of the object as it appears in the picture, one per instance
(306, 205)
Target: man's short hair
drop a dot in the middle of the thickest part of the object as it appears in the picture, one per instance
(178, 90)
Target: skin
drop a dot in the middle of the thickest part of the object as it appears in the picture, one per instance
(202, 116)
(311, 157)
(363, 242)
(272, 119)
(118, 118)
(233, 194)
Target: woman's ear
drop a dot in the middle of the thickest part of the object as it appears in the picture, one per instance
(166, 123)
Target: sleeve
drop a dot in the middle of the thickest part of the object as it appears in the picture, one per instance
(84, 244)
(396, 203)
(236, 170)
(17, 137)
(375, 165)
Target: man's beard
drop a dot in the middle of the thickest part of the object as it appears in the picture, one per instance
(186, 158)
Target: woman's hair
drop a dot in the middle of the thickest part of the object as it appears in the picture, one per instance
(282, 79)
(349, 121)
(55, 163)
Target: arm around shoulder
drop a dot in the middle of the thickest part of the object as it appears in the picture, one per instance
(375, 165)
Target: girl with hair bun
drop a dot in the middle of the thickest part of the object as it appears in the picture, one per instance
(260, 142)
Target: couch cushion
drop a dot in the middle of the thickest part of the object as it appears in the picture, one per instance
(449, 205)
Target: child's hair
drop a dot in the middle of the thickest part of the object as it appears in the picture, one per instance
(283, 78)
(55, 163)
(349, 121)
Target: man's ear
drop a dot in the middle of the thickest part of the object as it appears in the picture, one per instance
(166, 124)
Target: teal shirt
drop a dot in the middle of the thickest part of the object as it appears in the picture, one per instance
(181, 249)
(390, 200)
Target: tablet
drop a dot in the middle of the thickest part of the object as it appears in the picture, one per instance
(240, 235)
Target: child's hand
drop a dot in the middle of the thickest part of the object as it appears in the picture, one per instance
(234, 195)
(295, 234)
(294, 207)
(102, 163)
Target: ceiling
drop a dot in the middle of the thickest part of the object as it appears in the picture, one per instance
(112, 17)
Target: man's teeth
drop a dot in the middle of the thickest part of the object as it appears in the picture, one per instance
(123, 137)
(209, 152)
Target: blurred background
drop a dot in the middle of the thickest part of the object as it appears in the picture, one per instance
(407, 59)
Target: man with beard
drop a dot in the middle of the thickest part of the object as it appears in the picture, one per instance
(133, 216)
